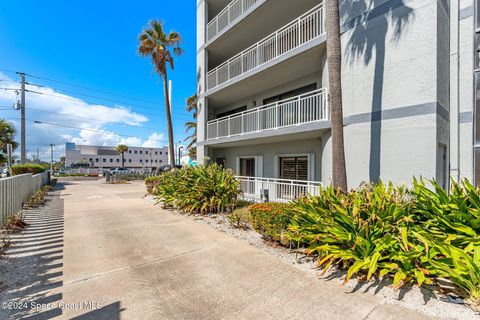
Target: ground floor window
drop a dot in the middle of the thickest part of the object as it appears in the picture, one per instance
(294, 168)
(247, 167)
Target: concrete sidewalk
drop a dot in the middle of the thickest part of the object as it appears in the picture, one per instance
(99, 245)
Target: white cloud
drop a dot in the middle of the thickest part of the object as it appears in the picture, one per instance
(155, 140)
(69, 111)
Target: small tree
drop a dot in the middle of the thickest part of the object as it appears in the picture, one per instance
(121, 148)
(192, 125)
(7, 136)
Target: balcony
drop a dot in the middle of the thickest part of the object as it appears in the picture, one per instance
(228, 16)
(295, 34)
(302, 109)
(276, 190)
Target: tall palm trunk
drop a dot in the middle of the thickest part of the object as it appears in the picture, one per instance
(123, 160)
(169, 119)
(334, 58)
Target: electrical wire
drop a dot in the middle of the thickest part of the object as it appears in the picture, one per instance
(93, 130)
(97, 120)
(104, 99)
(76, 99)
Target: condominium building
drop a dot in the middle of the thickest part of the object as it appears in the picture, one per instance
(408, 91)
(102, 157)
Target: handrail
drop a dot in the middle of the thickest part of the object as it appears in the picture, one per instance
(244, 6)
(270, 105)
(283, 181)
(253, 61)
(305, 108)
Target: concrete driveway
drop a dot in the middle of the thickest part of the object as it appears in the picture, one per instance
(100, 251)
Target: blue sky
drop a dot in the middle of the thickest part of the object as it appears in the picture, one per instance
(93, 44)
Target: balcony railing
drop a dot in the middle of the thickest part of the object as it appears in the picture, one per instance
(305, 108)
(276, 190)
(298, 32)
(227, 16)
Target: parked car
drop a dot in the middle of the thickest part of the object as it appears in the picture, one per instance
(4, 172)
(120, 170)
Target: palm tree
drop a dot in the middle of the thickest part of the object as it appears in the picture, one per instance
(121, 148)
(155, 43)
(192, 125)
(7, 136)
(334, 58)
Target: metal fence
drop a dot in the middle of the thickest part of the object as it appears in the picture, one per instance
(14, 191)
(276, 190)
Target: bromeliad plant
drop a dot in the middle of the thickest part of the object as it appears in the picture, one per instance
(412, 235)
(366, 230)
(203, 189)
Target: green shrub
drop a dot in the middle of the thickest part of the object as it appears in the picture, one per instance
(412, 235)
(240, 218)
(151, 183)
(450, 224)
(26, 168)
(364, 230)
(271, 220)
(202, 189)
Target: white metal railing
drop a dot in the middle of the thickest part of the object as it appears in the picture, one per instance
(305, 108)
(298, 32)
(14, 191)
(227, 16)
(276, 190)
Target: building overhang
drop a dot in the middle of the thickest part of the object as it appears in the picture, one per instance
(285, 134)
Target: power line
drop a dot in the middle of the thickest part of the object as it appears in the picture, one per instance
(93, 130)
(92, 89)
(76, 99)
(102, 121)
(100, 91)
(97, 90)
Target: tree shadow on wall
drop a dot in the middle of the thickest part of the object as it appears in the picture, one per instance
(368, 36)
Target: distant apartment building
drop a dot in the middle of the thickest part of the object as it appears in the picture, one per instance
(410, 91)
(101, 157)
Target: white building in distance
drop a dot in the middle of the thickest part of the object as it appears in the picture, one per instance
(103, 157)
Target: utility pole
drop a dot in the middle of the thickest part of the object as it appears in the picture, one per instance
(23, 150)
(51, 154)
(9, 154)
(38, 155)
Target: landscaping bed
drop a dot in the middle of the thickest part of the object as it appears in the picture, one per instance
(420, 243)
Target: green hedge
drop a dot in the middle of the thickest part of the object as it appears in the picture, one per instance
(26, 168)
(201, 189)
(411, 235)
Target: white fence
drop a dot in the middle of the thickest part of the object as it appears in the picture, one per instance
(298, 32)
(305, 108)
(14, 191)
(276, 190)
(227, 16)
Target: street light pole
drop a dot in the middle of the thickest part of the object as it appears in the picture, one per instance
(51, 154)
(179, 153)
